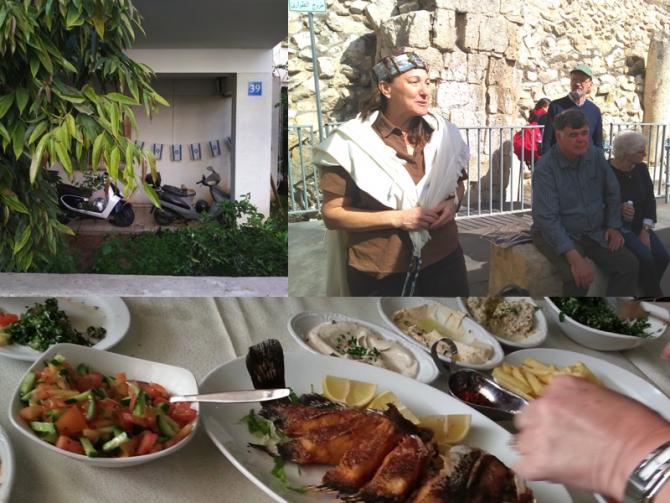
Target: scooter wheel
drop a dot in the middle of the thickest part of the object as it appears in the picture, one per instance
(163, 217)
(124, 217)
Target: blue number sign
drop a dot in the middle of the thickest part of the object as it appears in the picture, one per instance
(255, 88)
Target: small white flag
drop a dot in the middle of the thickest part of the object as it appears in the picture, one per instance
(176, 153)
(195, 151)
(157, 149)
(140, 144)
(214, 148)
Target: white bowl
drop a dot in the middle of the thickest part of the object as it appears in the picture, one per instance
(535, 338)
(599, 339)
(176, 380)
(7, 467)
(389, 305)
(300, 325)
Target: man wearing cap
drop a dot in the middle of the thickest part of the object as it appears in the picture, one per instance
(581, 80)
(576, 211)
(391, 180)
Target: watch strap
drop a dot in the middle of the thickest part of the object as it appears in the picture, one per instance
(649, 476)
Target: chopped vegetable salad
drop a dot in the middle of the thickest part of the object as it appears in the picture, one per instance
(88, 413)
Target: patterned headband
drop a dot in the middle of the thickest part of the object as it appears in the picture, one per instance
(392, 66)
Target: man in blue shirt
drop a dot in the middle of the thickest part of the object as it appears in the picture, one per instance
(581, 80)
(576, 211)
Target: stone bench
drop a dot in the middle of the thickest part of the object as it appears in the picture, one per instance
(525, 266)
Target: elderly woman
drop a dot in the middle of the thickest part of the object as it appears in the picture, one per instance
(392, 179)
(640, 217)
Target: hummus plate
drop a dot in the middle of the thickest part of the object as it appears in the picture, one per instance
(304, 324)
(422, 321)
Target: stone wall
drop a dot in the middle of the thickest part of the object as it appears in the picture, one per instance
(490, 59)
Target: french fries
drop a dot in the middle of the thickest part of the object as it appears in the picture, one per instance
(531, 377)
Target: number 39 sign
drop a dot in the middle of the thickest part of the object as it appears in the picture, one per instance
(255, 88)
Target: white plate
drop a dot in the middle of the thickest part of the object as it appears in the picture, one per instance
(300, 325)
(7, 468)
(612, 376)
(304, 370)
(389, 305)
(110, 313)
(535, 338)
(176, 380)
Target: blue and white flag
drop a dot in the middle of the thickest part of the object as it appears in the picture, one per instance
(215, 148)
(194, 149)
(176, 153)
(157, 149)
(140, 144)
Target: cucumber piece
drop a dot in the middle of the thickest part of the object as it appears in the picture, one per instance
(83, 369)
(79, 398)
(89, 450)
(139, 404)
(28, 383)
(43, 427)
(167, 426)
(115, 442)
(49, 437)
(90, 409)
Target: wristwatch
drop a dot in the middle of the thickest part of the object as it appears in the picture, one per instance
(649, 476)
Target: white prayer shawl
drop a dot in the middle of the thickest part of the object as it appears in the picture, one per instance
(376, 169)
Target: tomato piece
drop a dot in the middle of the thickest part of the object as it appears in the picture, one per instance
(7, 319)
(127, 421)
(32, 412)
(183, 415)
(129, 449)
(154, 390)
(88, 381)
(68, 444)
(181, 434)
(72, 422)
(147, 441)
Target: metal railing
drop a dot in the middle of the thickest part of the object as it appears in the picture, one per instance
(499, 180)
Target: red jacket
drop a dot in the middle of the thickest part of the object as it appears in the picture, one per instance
(530, 141)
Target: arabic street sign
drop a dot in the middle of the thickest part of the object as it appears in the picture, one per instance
(307, 5)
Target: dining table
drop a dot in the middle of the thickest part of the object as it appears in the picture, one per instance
(200, 334)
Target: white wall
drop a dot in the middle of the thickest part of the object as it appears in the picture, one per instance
(197, 114)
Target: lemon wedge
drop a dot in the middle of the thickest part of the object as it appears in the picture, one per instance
(447, 429)
(382, 402)
(335, 388)
(347, 391)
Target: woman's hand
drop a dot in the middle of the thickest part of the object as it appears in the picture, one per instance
(627, 211)
(415, 219)
(446, 212)
(644, 237)
(586, 436)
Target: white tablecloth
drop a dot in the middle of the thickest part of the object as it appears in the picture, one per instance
(201, 334)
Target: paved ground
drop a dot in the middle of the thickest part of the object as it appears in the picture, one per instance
(307, 256)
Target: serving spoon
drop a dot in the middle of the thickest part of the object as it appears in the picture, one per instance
(255, 395)
(630, 309)
(471, 386)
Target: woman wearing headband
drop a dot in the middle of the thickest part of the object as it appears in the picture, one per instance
(392, 179)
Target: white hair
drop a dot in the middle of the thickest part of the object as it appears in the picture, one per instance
(627, 142)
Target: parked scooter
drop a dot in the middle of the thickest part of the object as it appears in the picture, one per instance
(177, 202)
(77, 202)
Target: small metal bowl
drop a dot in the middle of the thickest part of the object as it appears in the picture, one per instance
(476, 389)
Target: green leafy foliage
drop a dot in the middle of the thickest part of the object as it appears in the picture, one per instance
(64, 79)
(256, 247)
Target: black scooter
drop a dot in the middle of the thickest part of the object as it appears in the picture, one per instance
(177, 202)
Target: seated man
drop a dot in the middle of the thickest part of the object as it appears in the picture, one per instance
(576, 211)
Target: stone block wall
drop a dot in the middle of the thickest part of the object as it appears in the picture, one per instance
(490, 59)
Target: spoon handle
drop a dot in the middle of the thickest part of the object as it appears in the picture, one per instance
(256, 395)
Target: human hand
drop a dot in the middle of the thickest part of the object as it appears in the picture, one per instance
(415, 219)
(582, 271)
(614, 239)
(586, 436)
(446, 212)
(627, 211)
(644, 237)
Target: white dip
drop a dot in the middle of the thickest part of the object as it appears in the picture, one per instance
(431, 322)
(354, 341)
